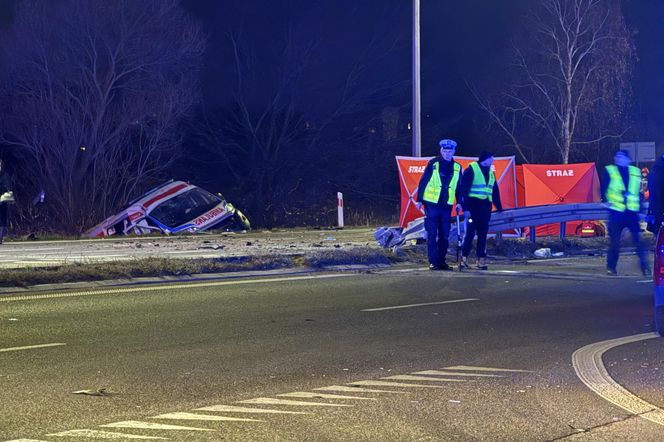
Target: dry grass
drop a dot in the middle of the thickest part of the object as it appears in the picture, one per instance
(158, 267)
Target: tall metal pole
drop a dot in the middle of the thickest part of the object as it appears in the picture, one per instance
(417, 131)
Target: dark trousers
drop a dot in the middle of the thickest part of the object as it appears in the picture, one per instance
(437, 225)
(477, 224)
(617, 222)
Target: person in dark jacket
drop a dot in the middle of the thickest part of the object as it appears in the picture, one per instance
(479, 192)
(656, 191)
(5, 188)
(621, 190)
(437, 191)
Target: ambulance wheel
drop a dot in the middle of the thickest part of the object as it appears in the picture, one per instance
(241, 220)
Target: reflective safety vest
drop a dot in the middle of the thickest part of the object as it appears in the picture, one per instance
(619, 198)
(480, 189)
(434, 186)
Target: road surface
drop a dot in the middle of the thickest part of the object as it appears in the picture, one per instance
(385, 355)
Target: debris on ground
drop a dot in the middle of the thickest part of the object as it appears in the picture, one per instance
(544, 252)
(97, 392)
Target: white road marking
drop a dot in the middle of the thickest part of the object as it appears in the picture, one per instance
(102, 435)
(308, 395)
(151, 288)
(31, 347)
(393, 384)
(588, 365)
(418, 305)
(152, 426)
(26, 440)
(356, 389)
(203, 417)
(270, 401)
(454, 373)
(235, 409)
(471, 368)
(645, 281)
(407, 377)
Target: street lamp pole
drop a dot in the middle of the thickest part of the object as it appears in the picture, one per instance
(416, 127)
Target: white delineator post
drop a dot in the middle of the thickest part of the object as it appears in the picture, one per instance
(340, 209)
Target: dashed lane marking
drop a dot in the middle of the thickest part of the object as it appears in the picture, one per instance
(356, 389)
(454, 373)
(308, 395)
(645, 281)
(236, 409)
(408, 377)
(32, 347)
(393, 384)
(118, 291)
(379, 309)
(152, 426)
(95, 434)
(202, 417)
(271, 401)
(472, 368)
(589, 367)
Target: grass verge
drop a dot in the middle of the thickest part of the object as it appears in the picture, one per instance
(160, 267)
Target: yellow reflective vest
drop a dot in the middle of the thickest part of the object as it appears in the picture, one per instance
(619, 198)
(435, 186)
(480, 189)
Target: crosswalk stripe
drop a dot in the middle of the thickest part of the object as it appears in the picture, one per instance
(393, 384)
(203, 417)
(102, 435)
(152, 426)
(270, 401)
(471, 368)
(407, 377)
(32, 347)
(356, 389)
(236, 409)
(306, 394)
(454, 373)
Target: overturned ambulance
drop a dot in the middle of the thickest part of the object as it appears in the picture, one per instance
(173, 207)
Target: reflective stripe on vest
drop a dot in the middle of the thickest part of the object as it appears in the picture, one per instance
(616, 194)
(434, 186)
(480, 189)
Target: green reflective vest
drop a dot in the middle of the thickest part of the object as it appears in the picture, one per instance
(619, 198)
(480, 189)
(434, 186)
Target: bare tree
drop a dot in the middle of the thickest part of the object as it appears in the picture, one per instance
(93, 96)
(571, 84)
(276, 148)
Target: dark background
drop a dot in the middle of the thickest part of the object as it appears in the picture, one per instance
(464, 44)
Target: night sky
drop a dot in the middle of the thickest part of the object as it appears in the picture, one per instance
(462, 43)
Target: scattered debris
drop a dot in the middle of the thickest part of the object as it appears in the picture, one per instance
(97, 392)
(543, 253)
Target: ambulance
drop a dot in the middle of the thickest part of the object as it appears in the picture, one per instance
(174, 207)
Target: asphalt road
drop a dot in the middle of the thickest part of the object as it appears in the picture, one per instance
(488, 357)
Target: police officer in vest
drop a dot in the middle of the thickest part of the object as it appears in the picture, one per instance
(479, 192)
(437, 191)
(621, 190)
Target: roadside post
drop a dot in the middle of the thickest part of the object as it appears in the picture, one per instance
(340, 209)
